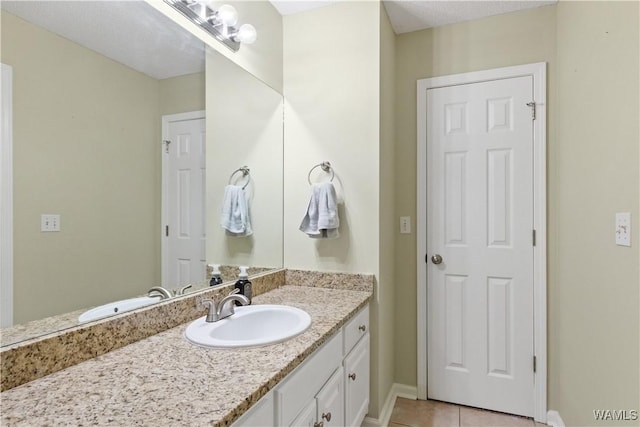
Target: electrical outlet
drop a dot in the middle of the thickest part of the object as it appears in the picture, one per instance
(405, 224)
(623, 229)
(49, 222)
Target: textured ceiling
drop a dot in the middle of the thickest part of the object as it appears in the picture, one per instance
(289, 7)
(135, 34)
(407, 16)
(413, 15)
(130, 32)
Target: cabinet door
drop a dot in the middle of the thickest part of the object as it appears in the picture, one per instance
(331, 401)
(307, 417)
(303, 384)
(356, 378)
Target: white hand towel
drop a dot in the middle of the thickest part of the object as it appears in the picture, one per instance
(235, 216)
(321, 220)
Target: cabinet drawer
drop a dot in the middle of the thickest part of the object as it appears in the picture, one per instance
(355, 329)
(305, 381)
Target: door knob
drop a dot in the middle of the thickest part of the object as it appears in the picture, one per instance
(436, 259)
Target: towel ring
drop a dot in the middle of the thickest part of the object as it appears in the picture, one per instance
(326, 166)
(245, 172)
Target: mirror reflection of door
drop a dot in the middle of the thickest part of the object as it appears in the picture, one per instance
(183, 169)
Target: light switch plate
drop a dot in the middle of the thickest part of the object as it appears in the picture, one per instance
(49, 222)
(623, 229)
(405, 224)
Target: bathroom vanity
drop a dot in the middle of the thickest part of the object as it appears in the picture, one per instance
(330, 388)
(166, 380)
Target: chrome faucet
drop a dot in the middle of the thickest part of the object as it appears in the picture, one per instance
(165, 294)
(225, 307)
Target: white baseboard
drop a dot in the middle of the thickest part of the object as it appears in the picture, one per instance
(397, 390)
(554, 419)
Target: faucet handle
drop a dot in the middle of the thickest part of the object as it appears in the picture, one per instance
(211, 310)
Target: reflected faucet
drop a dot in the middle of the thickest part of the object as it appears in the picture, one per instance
(165, 294)
(182, 290)
(225, 307)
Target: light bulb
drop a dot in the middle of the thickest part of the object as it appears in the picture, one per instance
(228, 15)
(246, 34)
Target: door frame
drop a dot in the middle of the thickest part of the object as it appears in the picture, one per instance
(538, 72)
(166, 121)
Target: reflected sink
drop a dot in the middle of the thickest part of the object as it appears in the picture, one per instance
(117, 308)
(250, 326)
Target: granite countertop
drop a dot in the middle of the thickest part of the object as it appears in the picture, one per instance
(165, 380)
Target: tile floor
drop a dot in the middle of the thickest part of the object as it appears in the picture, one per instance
(431, 413)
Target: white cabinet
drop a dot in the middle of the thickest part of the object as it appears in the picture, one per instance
(356, 368)
(355, 329)
(327, 408)
(302, 386)
(356, 374)
(307, 417)
(260, 415)
(330, 402)
(329, 389)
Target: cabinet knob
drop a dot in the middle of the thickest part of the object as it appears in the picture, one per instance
(352, 376)
(362, 328)
(326, 416)
(320, 424)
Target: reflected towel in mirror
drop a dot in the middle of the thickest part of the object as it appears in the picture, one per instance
(321, 220)
(235, 217)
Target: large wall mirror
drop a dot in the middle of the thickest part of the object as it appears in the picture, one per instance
(92, 82)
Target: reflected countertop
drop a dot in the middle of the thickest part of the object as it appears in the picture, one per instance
(165, 380)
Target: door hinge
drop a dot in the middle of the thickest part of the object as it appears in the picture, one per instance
(166, 230)
(166, 143)
(534, 237)
(534, 364)
(533, 109)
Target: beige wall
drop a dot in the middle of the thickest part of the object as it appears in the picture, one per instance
(244, 127)
(591, 49)
(263, 58)
(86, 132)
(385, 311)
(85, 147)
(594, 323)
(500, 41)
(332, 109)
(183, 93)
(331, 113)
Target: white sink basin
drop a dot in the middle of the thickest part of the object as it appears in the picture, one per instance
(117, 308)
(250, 326)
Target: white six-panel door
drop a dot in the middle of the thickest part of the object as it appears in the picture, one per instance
(184, 260)
(480, 222)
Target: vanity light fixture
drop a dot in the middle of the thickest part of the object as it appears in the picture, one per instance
(221, 22)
